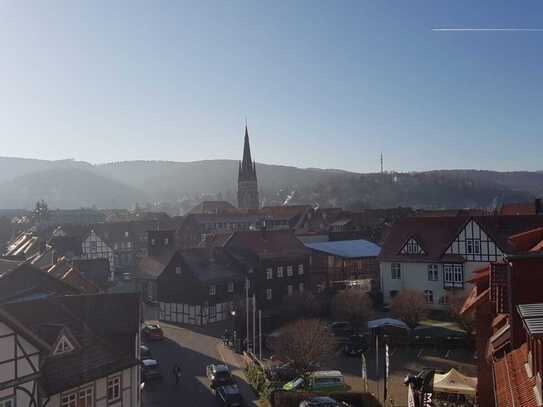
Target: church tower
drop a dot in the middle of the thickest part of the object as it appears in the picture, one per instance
(247, 183)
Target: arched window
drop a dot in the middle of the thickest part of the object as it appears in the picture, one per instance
(429, 296)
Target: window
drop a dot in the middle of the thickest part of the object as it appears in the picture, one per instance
(93, 246)
(289, 289)
(177, 269)
(166, 241)
(113, 389)
(453, 275)
(69, 400)
(269, 274)
(212, 290)
(289, 270)
(86, 397)
(301, 287)
(444, 300)
(231, 287)
(432, 272)
(212, 311)
(395, 271)
(268, 293)
(279, 272)
(63, 346)
(393, 293)
(429, 296)
(250, 271)
(247, 283)
(153, 242)
(125, 234)
(300, 269)
(115, 246)
(412, 247)
(9, 402)
(129, 245)
(473, 246)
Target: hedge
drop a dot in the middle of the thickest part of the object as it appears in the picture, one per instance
(282, 398)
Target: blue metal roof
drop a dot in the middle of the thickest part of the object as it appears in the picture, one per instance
(347, 248)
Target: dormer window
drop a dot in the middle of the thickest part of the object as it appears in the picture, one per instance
(63, 346)
(177, 269)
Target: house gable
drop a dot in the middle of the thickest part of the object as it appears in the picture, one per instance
(474, 244)
(412, 247)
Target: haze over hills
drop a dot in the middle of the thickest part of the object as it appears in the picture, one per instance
(73, 184)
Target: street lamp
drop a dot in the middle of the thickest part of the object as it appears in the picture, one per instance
(234, 332)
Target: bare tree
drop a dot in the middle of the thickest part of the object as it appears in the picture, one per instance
(305, 343)
(353, 305)
(410, 306)
(456, 300)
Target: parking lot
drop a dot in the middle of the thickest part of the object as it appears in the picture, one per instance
(403, 360)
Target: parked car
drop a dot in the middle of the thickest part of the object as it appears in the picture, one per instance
(229, 395)
(282, 373)
(341, 329)
(323, 401)
(321, 381)
(145, 353)
(219, 375)
(152, 332)
(150, 370)
(356, 345)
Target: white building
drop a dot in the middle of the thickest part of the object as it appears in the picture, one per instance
(438, 254)
(51, 353)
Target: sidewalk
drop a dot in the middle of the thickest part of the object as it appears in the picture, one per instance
(235, 361)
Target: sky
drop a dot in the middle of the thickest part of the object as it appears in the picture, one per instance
(328, 84)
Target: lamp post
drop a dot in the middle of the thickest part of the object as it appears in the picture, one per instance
(234, 329)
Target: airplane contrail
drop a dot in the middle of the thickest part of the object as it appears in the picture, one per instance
(487, 29)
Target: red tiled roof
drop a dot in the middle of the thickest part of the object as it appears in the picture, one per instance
(474, 299)
(519, 208)
(434, 234)
(527, 240)
(512, 386)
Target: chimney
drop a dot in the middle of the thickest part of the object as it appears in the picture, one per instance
(538, 207)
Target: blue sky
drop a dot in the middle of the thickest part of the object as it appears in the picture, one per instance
(328, 84)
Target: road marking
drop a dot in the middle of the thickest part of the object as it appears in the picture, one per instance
(420, 353)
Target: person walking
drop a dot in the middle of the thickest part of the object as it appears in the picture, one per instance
(177, 373)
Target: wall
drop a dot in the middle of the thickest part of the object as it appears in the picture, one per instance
(129, 395)
(415, 276)
(19, 362)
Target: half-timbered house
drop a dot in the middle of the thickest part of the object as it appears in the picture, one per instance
(70, 352)
(438, 254)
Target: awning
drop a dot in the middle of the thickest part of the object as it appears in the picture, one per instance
(378, 323)
(454, 382)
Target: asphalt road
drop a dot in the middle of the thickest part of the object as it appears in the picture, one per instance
(193, 351)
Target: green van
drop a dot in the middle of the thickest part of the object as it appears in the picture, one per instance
(322, 381)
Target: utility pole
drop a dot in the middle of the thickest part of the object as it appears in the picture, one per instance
(247, 312)
(381, 163)
(254, 323)
(260, 334)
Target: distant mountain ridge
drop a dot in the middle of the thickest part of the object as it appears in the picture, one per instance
(73, 184)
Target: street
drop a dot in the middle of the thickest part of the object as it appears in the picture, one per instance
(193, 349)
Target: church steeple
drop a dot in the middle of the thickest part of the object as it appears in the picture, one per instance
(247, 182)
(247, 161)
